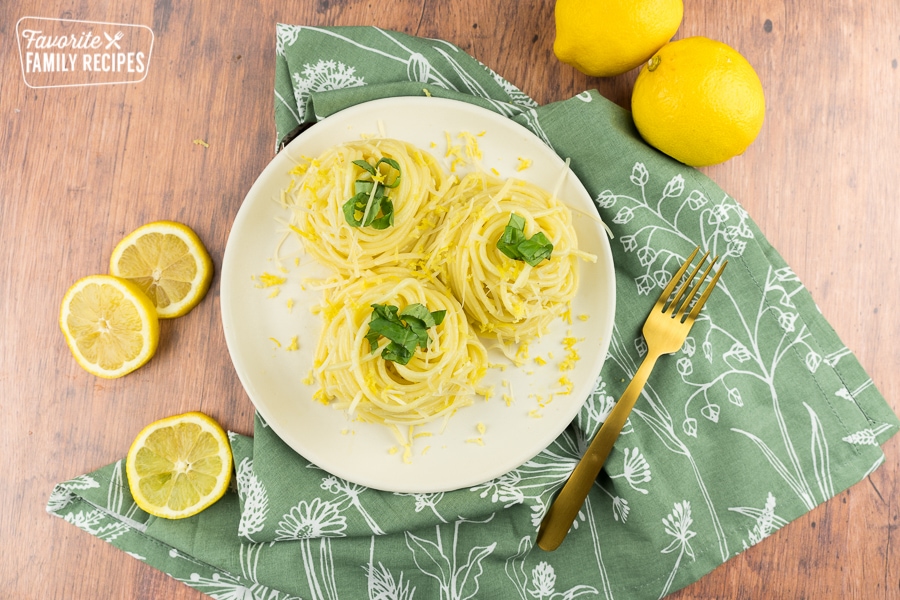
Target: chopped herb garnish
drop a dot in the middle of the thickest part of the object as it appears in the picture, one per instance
(406, 330)
(515, 245)
(370, 199)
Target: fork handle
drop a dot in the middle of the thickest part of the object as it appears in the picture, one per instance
(565, 507)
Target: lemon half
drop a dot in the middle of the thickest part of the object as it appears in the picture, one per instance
(110, 326)
(168, 262)
(178, 466)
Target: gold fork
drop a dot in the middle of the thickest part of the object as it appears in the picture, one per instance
(665, 331)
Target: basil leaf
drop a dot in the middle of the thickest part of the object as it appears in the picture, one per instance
(364, 187)
(512, 236)
(397, 353)
(516, 222)
(420, 331)
(406, 330)
(373, 337)
(419, 320)
(419, 312)
(402, 347)
(392, 331)
(356, 204)
(370, 197)
(364, 164)
(394, 165)
(387, 313)
(387, 218)
(515, 245)
(536, 249)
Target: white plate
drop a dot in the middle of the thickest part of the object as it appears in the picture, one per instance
(460, 456)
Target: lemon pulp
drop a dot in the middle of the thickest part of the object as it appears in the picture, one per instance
(168, 262)
(110, 326)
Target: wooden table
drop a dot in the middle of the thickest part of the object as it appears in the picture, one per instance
(82, 166)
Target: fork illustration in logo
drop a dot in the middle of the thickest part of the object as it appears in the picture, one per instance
(113, 41)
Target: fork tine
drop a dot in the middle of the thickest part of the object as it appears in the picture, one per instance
(702, 300)
(674, 281)
(676, 303)
(685, 305)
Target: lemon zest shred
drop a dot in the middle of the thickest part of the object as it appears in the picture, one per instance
(572, 356)
(270, 280)
(522, 352)
(321, 397)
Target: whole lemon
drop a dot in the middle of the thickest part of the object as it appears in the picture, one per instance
(603, 38)
(699, 101)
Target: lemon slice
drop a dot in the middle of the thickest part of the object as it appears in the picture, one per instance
(110, 325)
(178, 466)
(168, 262)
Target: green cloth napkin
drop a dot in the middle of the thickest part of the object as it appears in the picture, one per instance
(761, 416)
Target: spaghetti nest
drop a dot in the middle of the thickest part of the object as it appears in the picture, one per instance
(506, 298)
(318, 199)
(437, 380)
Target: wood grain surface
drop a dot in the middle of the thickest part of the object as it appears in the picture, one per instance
(80, 167)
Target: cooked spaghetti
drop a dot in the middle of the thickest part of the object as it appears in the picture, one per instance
(402, 237)
(353, 376)
(505, 298)
(319, 197)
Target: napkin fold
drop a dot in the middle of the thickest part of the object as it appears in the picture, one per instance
(762, 415)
